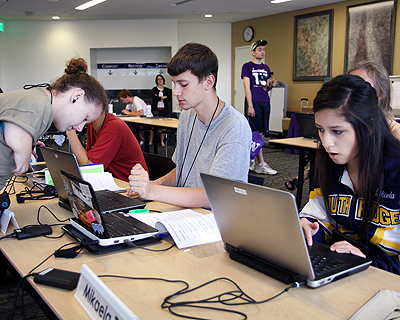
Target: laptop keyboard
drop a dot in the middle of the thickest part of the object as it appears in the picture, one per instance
(322, 264)
(106, 203)
(117, 226)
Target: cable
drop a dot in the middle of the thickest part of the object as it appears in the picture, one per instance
(61, 221)
(12, 235)
(225, 298)
(44, 192)
(56, 237)
(10, 185)
(21, 283)
(130, 243)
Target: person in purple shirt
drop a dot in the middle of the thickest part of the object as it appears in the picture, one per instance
(257, 82)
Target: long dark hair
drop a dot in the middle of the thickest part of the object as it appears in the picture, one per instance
(356, 100)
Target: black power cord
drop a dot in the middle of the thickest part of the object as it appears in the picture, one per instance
(227, 298)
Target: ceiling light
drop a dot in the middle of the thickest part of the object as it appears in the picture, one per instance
(208, 15)
(89, 4)
(279, 1)
(55, 17)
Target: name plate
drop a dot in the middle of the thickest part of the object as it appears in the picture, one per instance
(98, 300)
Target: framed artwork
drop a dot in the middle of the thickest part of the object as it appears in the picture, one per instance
(313, 46)
(370, 34)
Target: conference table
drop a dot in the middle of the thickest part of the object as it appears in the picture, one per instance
(303, 145)
(154, 123)
(196, 265)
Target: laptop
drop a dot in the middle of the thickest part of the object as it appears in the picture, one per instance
(307, 126)
(109, 201)
(108, 228)
(261, 228)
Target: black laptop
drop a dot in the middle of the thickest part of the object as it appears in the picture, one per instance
(57, 160)
(307, 126)
(108, 228)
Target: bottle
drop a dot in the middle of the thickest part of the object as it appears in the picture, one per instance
(148, 111)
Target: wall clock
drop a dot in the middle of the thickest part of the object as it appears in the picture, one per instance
(248, 34)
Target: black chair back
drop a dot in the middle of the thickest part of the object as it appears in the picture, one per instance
(158, 165)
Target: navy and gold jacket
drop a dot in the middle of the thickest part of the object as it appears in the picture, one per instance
(345, 214)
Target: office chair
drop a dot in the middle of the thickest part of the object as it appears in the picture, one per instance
(158, 165)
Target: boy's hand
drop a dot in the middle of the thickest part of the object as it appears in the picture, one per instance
(139, 181)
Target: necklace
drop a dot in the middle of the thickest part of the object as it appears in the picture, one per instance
(41, 85)
(187, 147)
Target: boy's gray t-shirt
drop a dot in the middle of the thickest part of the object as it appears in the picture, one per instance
(225, 151)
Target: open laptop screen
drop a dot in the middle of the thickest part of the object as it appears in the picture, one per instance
(84, 205)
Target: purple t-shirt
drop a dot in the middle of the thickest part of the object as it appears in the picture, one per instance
(258, 75)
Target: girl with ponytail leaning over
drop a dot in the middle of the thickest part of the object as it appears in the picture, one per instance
(70, 102)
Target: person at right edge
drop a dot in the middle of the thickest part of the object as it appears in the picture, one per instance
(256, 80)
(355, 195)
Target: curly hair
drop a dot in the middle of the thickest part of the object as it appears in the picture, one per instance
(76, 76)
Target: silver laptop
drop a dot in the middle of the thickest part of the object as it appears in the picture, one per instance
(109, 201)
(261, 228)
(109, 228)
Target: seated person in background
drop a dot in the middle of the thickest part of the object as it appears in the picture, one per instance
(110, 142)
(356, 190)
(212, 136)
(378, 77)
(135, 106)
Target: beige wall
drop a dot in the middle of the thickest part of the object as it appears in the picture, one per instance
(279, 31)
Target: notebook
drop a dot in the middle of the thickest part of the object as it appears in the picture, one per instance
(261, 228)
(109, 228)
(306, 123)
(57, 160)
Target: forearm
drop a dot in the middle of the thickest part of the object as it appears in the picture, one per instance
(133, 113)
(183, 197)
(247, 91)
(247, 94)
(77, 149)
(168, 180)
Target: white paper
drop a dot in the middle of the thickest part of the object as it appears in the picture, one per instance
(102, 181)
(379, 307)
(187, 227)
